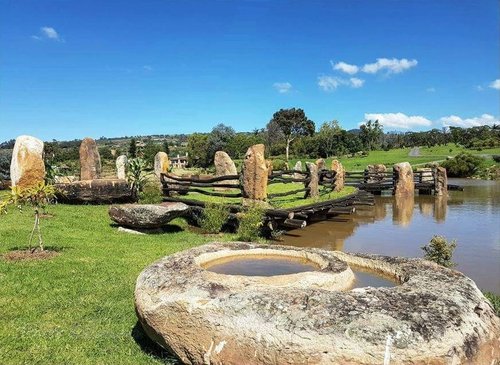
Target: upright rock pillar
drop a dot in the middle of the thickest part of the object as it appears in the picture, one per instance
(297, 167)
(403, 179)
(224, 166)
(320, 163)
(440, 181)
(255, 173)
(121, 167)
(161, 164)
(90, 160)
(339, 175)
(313, 183)
(27, 167)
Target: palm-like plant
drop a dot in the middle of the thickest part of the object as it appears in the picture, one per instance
(137, 174)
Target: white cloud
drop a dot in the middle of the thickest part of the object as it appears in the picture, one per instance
(389, 65)
(48, 33)
(456, 121)
(398, 120)
(495, 84)
(330, 83)
(345, 67)
(283, 87)
(355, 82)
(430, 90)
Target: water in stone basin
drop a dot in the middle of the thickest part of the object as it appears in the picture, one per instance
(260, 265)
(366, 278)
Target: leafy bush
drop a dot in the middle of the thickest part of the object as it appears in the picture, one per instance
(250, 223)
(462, 165)
(279, 164)
(495, 301)
(151, 194)
(496, 158)
(137, 174)
(213, 218)
(440, 251)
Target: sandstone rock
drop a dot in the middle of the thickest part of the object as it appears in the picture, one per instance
(403, 179)
(314, 180)
(339, 171)
(27, 167)
(224, 166)
(297, 167)
(95, 192)
(375, 173)
(146, 215)
(435, 316)
(162, 163)
(441, 182)
(320, 163)
(254, 173)
(121, 167)
(269, 165)
(64, 179)
(90, 160)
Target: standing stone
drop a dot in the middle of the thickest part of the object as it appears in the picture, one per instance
(375, 173)
(403, 179)
(339, 171)
(297, 167)
(121, 167)
(441, 181)
(90, 160)
(224, 166)
(269, 165)
(320, 163)
(255, 173)
(27, 167)
(162, 163)
(313, 183)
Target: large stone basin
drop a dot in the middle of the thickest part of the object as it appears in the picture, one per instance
(435, 316)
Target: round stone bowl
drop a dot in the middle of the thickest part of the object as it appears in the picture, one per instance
(435, 316)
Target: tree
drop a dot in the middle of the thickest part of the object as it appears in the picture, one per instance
(150, 150)
(197, 149)
(132, 149)
(38, 197)
(330, 137)
(440, 251)
(370, 134)
(293, 123)
(166, 147)
(218, 140)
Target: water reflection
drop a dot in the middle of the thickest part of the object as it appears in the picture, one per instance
(401, 226)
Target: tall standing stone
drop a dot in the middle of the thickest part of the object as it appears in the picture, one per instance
(224, 166)
(297, 167)
(162, 163)
(440, 181)
(338, 169)
(313, 183)
(121, 167)
(269, 165)
(320, 163)
(403, 179)
(90, 160)
(255, 173)
(27, 167)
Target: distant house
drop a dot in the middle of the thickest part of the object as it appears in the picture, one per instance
(180, 162)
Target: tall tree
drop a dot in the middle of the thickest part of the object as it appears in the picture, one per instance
(293, 123)
(370, 134)
(132, 148)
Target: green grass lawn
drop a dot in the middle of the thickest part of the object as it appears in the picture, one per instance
(77, 308)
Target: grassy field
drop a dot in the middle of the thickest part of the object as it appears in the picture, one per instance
(77, 308)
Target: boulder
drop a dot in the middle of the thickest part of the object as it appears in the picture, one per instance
(320, 163)
(254, 174)
(121, 167)
(27, 167)
(434, 316)
(224, 166)
(339, 171)
(313, 184)
(162, 163)
(146, 215)
(441, 181)
(375, 173)
(269, 165)
(403, 179)
(297, 167)
(95, 192)
(90, 160)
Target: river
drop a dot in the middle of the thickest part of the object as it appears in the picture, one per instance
(399, 227)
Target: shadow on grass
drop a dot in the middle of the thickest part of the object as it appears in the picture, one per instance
(169, 228)
(151, 348)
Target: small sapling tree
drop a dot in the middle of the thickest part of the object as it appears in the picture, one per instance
(440, 251)
(37, 197)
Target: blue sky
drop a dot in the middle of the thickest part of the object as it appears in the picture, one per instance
(70, 69)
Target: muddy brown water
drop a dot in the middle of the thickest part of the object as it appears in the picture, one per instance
(399, 227)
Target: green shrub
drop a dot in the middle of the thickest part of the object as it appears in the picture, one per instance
(496, 158)
(279, 164)
(137, 174)
(213, 218)
(440, 251)
(250, 223)
(151, 194)
(495, 301)
(462, 165)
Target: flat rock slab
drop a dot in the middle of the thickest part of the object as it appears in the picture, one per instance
(99, 191)
(146, 216)
(435, 316)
